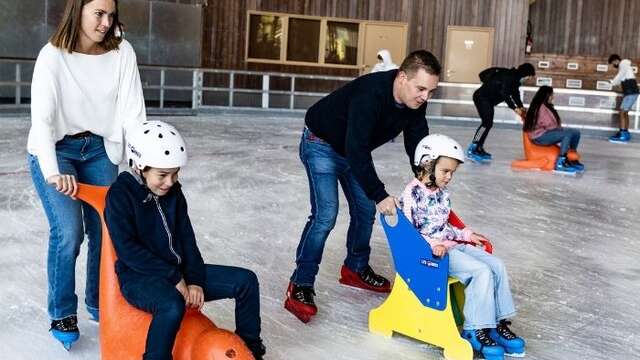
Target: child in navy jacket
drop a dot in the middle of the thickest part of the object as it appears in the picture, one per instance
(159, 266)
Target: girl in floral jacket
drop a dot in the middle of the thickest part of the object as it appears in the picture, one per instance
(488, 301)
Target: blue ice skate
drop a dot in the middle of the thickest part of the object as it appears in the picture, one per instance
(473, 155)
(482, 342)
(577, 165)
(563, 167)
(484, 154)
(66, 331)
(512, 344)
(621, 137)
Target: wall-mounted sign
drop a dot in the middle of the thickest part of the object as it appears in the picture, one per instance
(602, 67)
(607, 103)
(540, 81)
(576, 101)
(574, 84)
(468, 44)
(572, 66)
(543, 64)
(603, 85)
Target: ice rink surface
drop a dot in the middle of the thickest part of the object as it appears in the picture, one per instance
(570, 244)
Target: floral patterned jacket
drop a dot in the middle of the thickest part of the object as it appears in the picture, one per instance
(428, 210)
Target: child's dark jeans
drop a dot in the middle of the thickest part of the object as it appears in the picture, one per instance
(161, 298)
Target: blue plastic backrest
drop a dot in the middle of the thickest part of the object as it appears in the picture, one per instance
(426, 275)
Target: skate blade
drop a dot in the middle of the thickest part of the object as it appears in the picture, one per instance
(515, 355)
(476, 160)
(565, 173)
(304, 317)
(67, 340)
(364, 287)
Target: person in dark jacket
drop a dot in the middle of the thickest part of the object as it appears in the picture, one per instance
(159, 266)
(342, 129)
(498, 85)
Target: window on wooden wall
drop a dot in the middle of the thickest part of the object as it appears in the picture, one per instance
(341, 44)
(292, 39)
(265, 37)
(303, 40)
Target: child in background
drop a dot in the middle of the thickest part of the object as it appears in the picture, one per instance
(543, 127)
(488, 301)
(159, 266)
(626, 78)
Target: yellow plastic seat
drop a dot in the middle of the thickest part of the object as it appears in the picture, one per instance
(403, 313)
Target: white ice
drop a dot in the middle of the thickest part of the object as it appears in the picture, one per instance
(570, 243)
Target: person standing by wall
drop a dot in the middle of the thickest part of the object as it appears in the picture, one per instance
(627, 79)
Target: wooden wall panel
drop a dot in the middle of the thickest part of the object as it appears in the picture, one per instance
(586, 27)
(225, 23)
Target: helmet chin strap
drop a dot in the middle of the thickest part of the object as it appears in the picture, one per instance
(140, 175)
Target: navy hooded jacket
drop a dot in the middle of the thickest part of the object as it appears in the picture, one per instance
(152, 235)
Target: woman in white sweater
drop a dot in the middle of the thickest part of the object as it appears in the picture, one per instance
(85, 93)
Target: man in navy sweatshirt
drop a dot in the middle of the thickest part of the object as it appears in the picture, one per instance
(342, 129)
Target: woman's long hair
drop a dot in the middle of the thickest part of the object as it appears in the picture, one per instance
(66, 35)
(539, 99)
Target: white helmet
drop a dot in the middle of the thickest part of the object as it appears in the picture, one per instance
(155, 144)
(436, 145)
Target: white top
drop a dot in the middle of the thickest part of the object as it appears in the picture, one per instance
(386, 64)
(624, 72)
(73, 93)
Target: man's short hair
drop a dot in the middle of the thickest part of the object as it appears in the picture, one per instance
(613, 57)
(420, 59)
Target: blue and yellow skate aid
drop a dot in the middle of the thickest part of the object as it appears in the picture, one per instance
(123, 328)
(424, 304)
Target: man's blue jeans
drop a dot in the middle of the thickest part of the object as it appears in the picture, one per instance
(568, 139)
(84, 157)
(159, 297)
(325, 168)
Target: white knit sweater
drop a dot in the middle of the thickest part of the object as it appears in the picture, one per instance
(72, 93)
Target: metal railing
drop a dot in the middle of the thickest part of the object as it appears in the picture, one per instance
(265, 93)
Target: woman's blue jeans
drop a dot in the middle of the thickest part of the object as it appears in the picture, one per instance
(325, 168)
(84, 157)
(568, 139)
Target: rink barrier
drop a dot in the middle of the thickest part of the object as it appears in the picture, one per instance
(177, 89)
(123, 328)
